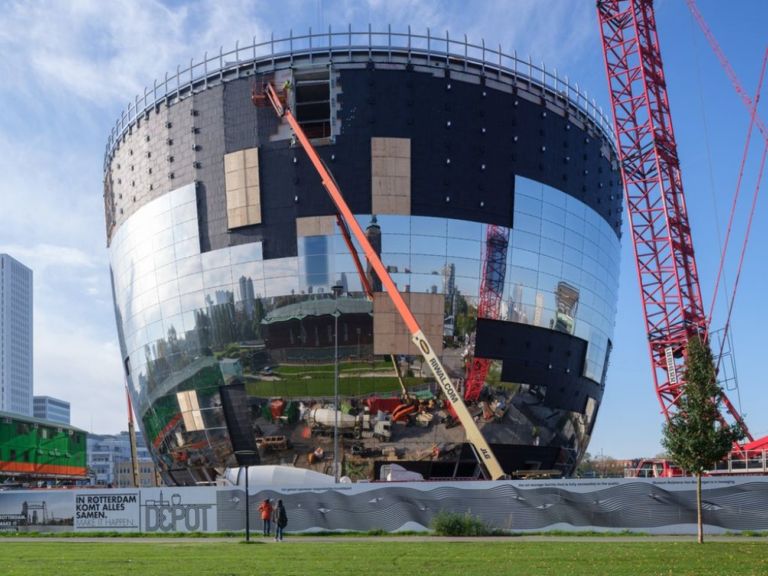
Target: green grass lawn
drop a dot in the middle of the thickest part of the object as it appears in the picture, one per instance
(304, 381)
(323, 386)
(288, 369)
(365, 558)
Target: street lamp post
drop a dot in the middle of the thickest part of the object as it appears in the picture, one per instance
(337, 289)
(244, 455)
(247, 509)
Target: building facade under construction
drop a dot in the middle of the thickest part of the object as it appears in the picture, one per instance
(245, 325)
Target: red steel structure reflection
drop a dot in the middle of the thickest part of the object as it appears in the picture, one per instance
(491, 291)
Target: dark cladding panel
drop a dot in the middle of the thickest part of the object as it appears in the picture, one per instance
(455, 173)
(241, 117)
(181, 137)
(237, 414)
(203, 139)
(539, 357)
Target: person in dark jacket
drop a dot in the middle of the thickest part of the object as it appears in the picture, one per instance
(280, 518)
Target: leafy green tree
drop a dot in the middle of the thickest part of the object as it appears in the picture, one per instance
(694, 436)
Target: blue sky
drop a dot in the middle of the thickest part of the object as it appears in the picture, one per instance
(69, 69)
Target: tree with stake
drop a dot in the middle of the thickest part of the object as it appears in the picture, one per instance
(694, 436)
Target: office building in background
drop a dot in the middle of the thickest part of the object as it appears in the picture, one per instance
(52, 409)
(15, 336)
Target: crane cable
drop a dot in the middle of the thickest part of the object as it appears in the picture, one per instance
(754, 119)
(715, 207)
(745, 154)
(753, 116)
(708, 148)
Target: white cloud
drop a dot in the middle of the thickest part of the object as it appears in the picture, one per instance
(560, 33)
(109, 51)
(83, 368)
(41, 257)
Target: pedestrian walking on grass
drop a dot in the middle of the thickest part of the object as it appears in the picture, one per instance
(280, 519)
(266, 515)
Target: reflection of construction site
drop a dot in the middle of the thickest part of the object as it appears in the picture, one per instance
(567, 299)
(415, 429)
(389, 410)
(279, 397)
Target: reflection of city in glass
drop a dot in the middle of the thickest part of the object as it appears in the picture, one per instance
(194, 321)
(226, 257)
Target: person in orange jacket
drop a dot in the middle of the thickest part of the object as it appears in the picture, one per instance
(266, 515)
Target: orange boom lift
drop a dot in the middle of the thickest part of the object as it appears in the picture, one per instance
(476, 439)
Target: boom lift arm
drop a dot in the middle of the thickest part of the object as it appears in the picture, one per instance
(474, 436)
(368, 289)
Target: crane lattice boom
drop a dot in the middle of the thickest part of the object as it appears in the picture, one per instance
(650, 168)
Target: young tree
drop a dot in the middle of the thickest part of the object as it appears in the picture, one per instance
(694, 436)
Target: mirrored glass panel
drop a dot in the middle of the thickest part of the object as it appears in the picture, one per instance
(192, 324)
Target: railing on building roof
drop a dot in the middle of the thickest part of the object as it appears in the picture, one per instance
(333, 46)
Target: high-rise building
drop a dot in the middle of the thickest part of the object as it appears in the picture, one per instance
(52, 409)
(203, 189)
(15, 336)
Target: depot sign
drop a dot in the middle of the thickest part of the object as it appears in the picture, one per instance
(191, 512)
(147, 510)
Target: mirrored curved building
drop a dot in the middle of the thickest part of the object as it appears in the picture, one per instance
(233, 285)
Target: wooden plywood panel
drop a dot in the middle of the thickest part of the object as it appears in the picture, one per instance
(315, 226)
(253, 214)
(234, 180)
(391, 147)
(391, 166)
(391, 175)
(252, 177)
(237, 217)
(390, 335)
(251, 158)
(234, 161)
(236, 198)
(241, 179)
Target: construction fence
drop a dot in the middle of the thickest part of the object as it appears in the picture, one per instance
(659, 506)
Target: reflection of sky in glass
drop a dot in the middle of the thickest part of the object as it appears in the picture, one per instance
(576, 246)
(314, 260)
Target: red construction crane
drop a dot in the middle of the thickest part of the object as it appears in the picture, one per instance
(491, 291)
(661, 235)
